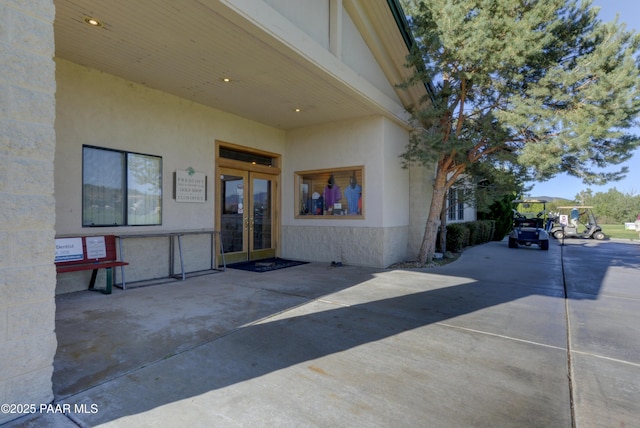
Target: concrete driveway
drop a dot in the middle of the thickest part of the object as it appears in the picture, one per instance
(500, 338)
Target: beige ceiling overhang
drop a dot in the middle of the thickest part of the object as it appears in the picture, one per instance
(186, 48)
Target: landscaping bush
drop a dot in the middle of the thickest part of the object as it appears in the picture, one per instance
(457, 237)
(460, 235)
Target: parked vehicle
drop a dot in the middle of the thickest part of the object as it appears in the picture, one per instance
(586, 225)
(529, 227)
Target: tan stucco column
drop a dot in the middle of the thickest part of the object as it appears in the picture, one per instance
(27, 214)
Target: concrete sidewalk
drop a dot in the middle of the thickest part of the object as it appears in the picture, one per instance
(479, 342)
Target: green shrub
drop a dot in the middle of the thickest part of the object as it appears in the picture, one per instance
(488, 228)
(460, 235)
(457, 237)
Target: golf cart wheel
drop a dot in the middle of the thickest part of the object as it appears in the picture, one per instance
(544, 245)
(513, 243)
(599, 236)
(558, 234)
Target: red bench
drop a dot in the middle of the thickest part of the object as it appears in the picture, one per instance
(88, 253)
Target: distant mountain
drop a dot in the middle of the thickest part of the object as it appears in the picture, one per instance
(549, 198)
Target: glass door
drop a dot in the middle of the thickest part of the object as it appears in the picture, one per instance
(246, 214)
(261, 217)
(233, 223)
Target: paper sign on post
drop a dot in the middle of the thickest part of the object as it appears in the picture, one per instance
(564, 219)
(96, 248)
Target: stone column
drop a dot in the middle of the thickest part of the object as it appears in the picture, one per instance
(27, 214)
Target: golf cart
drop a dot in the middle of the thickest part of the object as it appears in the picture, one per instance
(564, 228)
(529, 227)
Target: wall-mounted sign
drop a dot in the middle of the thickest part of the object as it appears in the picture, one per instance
(190, 186)
(68, 249)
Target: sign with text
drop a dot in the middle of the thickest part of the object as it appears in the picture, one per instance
(96, 248)
(69, 249)
(564, 219)
(191, 186)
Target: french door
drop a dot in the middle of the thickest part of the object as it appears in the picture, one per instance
(247, 214)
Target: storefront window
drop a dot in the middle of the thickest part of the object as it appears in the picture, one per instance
(335, 193)
(120, 188)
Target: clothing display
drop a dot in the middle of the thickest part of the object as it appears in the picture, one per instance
(352, 194)
(332, 194)
(321, 193)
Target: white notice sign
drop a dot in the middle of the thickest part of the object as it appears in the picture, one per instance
(96, 248)
(68, 249)
(191, 186)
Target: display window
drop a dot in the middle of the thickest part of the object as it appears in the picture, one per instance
(334, 193)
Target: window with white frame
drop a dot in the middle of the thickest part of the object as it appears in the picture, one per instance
(455, 204)
(120, 188)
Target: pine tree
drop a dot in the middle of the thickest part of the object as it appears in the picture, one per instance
(540, 86)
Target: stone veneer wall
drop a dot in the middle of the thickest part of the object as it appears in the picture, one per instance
(363, 246)
(27, 208)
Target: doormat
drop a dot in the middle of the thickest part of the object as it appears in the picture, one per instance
(265, 265)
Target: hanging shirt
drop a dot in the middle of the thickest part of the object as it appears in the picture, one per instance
(332, 195)
(353, 194)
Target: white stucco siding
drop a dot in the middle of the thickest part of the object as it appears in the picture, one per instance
(98, 109)
(362, 74)
(396, 179)
(311, 16)
(380, 238)
(343, 144)
(358, 56)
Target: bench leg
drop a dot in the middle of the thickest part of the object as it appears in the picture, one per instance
(92, 283)
(109, 284)
(107, 290)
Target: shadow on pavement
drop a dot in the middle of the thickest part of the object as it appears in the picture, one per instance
(249, 327)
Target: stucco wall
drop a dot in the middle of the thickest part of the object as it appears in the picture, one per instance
(311, 16)
(27, 144)
(354, 66)
(395, 179)
(358, 56)
(99, 109)
(378, 239)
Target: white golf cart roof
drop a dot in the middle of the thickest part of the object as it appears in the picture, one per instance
(530, 201)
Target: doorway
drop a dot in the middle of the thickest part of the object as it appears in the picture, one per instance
(247, 202)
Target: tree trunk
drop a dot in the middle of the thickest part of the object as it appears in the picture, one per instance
(427, 249)
(443, 225)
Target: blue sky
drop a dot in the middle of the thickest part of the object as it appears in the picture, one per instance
(567, 187)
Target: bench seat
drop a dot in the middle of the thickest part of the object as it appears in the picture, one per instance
(101, 255)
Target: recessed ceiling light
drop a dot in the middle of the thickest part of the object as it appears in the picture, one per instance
(93, 21)
(297, 110)
(226, 79)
